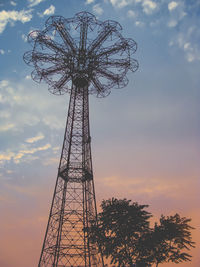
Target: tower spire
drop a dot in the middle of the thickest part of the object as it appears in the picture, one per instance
(96, 59)
(73, 207)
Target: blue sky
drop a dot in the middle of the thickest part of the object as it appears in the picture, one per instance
(145, 137)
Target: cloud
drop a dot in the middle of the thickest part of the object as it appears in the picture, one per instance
(172, 5)
(4, 83)
(49, 11)
(139, 23)
(178, 11)
(34, 150)
(187, 42)
(52, 122)
(120, 3)
(149, 187)
(16, 99)
(97, 9)
(27, 109)
(29, 113)
(172, 23)
(24, 37)
(35, 2)
(16, 156)
(22, 153)
(13, 3)
(6, 127)
(13, 16)
(6, 156)
(2, 52)
(149, 6)
(89, 2)
(36, 138)
(131, 14)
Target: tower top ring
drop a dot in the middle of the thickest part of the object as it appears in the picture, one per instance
(81, 52)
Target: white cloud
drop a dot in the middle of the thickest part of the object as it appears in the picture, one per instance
(49, 11)
(17, 156)
(13, 16)
(185, 40)
(28, 107)
(24, 37)
(52, 122)
(22, 153)
(149, 6)
(25, 118)
(97, 9)
(36, 138)
(6, 156)
(6, 127)
(121, 3)
(34, 150)
(192, 52)
(89, 2)
(178, 12)
(2, 52)
(191, 57)
(139, 23)
(35, 2)
(28, 77)
(172, 23)
(13, 3)
(186, 46)
(172, 5)
(4, 83)
(131, 14)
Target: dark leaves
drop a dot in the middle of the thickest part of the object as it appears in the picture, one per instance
(124, 234)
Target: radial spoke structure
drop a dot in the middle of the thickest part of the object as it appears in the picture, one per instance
(82, 56)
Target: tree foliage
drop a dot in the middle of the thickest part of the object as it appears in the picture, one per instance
(124, 235)
(171, 239)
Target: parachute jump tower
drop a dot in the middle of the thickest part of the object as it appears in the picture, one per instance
(81, 56)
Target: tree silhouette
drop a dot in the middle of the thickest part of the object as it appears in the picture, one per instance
(124, 235)
(120, 225)
(170, 239)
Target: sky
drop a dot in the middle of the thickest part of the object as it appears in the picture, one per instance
(145, 137)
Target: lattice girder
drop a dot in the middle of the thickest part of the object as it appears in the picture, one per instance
(73, 208)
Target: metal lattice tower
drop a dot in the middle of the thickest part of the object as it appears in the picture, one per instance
(82, 56)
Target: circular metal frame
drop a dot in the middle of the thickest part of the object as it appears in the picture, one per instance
(81, 51)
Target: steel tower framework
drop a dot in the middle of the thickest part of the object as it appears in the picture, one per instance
(82, 56)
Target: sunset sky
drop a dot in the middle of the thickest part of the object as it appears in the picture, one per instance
(145, 137)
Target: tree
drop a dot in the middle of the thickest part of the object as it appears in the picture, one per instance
(124, 234)
(120, 225)
(171, 239)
